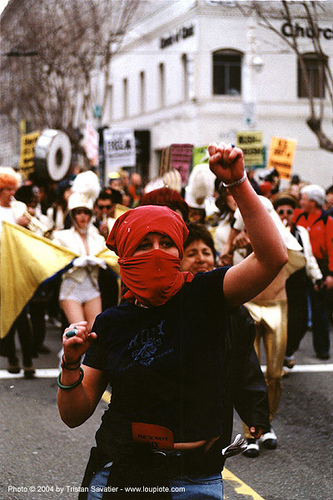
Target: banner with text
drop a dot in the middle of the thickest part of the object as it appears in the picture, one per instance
(281, 156)
(27, 153)
(119, 149)
(251, 144)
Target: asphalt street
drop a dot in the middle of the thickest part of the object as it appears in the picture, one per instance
(42, 459)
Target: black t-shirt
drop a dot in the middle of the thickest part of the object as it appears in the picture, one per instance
(165, 364)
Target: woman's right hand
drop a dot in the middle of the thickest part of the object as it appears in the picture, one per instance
(226, 162)
(77, 345)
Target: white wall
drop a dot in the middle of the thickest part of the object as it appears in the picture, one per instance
(213, 118)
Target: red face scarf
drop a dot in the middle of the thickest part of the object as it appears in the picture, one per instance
(152, 277)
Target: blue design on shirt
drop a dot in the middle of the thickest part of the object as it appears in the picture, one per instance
(144, 345)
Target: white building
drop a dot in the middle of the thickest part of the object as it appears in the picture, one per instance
(187, 74)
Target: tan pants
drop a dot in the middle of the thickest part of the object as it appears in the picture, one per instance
(271, 326)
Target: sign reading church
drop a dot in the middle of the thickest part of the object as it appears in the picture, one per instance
(295, 30)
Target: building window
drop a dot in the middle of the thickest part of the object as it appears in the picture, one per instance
(109, 102)
(313, 83)
(227, 70)
(125, 97)
(185, 77)
(142, 92)
(162, 84)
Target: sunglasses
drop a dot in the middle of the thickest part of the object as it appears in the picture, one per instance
(104, 206)
(288, 212)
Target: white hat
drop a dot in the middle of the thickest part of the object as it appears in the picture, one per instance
(172, 179)
(87, 183)
(80, 200)
(316, 193)
(191, 200)
(201, 184)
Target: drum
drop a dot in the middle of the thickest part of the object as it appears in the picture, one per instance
(53, 154)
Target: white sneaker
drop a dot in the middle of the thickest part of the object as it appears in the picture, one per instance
(252, 450)
(269, 440)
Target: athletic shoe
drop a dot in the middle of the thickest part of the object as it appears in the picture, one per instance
(269, 440)
(252, 450)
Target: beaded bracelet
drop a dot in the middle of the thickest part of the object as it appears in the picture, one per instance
(67, 366)
(72, 386)
(236, 183)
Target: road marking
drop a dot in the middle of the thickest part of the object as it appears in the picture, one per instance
(54, 372)
(40, 373)
(239, 486)
(309, 368)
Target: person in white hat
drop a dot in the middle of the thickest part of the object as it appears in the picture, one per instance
(79, 295)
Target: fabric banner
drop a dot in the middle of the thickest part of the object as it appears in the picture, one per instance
(26, 261)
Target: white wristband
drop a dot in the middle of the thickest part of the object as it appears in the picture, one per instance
(236, 183)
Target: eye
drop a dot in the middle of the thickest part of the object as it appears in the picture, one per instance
(144, 246)
(190, 254)
(167, 244)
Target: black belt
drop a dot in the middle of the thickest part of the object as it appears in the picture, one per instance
(134, 464)
(173, 463)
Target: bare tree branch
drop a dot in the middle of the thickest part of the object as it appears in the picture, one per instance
(71, 41)
(309, 11)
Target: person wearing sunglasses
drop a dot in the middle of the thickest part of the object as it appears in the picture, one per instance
(104, 213)
(298, 283)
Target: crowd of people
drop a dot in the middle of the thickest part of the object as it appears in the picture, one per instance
(210, 272)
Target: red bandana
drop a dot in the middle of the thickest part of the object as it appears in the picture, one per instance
(153, 277)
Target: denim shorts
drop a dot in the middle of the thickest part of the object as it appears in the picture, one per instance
(191, 487)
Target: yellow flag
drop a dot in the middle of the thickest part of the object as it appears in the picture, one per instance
(26, 260)
(111, 259)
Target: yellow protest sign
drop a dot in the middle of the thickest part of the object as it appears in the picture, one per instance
(27, 156)
(281, 156)
(251, 144)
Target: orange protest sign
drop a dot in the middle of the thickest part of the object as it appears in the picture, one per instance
(281, 156)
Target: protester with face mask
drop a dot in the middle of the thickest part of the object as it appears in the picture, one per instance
(162, 351)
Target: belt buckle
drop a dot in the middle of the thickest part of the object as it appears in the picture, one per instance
(159, 452)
